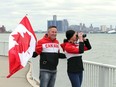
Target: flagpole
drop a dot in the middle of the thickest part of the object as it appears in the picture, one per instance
(26, 15)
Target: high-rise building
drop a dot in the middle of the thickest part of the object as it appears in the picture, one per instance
(103, 28)
(65, 25)
(80, 26)
(91, 27)
(110, 27)
(54, 17)
(2, 29)
(62, 25)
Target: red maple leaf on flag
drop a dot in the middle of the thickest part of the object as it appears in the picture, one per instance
(23, 43)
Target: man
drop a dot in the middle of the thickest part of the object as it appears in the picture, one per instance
(48, 49)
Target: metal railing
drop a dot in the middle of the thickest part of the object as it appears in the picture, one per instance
(95, 74)
(4, 48)
(99, 75)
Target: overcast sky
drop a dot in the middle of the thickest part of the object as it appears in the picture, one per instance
(96, 12)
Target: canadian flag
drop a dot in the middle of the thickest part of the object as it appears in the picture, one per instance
(22, 43)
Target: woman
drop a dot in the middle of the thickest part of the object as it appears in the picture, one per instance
(73, 52)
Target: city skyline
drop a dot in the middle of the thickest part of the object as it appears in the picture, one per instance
(96, 12)
(62, 25)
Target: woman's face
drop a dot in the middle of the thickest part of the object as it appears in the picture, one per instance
(74, 37)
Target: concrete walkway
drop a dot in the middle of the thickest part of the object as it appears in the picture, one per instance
(17, 80)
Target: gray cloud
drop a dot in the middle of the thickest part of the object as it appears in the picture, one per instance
(97, 12)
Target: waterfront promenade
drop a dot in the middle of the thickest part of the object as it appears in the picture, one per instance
(19, 79)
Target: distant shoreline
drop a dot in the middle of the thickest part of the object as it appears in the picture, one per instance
(63, 32)
(4, 32)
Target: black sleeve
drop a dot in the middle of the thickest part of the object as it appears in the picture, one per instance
(34, 54)
(61, 55)
(81, 47)
(87, 44)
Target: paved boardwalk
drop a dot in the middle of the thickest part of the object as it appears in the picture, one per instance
(17, 80)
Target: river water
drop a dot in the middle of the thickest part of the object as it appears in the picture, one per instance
(103, 46)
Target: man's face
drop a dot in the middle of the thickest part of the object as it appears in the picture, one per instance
(52, 32)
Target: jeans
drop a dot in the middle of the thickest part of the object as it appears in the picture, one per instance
(47, 79)
(76, 79)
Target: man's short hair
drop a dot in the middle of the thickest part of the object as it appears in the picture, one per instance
(51, 27)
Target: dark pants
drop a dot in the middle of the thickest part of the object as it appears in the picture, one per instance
(76, 79)
(47, 79)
